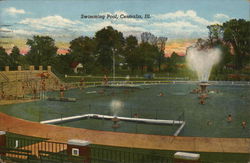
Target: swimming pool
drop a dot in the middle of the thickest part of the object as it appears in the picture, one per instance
(177, 103)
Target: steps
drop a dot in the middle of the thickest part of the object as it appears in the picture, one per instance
(17, 83)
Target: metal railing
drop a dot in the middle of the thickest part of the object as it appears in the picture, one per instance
(30, 149)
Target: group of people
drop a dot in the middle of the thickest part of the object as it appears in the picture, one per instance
(196, 90)
(230, 119)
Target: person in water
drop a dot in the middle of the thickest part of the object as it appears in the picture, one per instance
(229, 118)
(244, 124)
(161, 94)
(202, 101)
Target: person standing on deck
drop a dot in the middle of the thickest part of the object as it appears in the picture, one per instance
(43, 88)
(62, 89)
(105, 80)
(81, 83)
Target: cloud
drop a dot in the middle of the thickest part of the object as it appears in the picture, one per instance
(183, 24)
(23, 32)
(65, 29)
(49, 22)
(174, 25)
(179, 29)
(189, 15)
(221, 17)
(178, 24)
(13, 11)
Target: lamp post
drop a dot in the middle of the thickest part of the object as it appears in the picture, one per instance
(113, 65)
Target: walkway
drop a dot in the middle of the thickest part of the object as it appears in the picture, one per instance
(58, 133)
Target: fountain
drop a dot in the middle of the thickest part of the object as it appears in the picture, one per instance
(116, 107)
(202, 61)
(203, 86)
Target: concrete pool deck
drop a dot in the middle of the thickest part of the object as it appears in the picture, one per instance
(63, 134)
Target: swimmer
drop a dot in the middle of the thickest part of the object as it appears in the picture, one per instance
(202, 101)
(161, 94)
(209, 123)
(126, 91)
(229, 118)
(203, 96)
(135, 115)
(101, 91)
(244, 124)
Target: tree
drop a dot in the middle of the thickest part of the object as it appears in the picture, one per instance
(61, 63)
(174, 61)
(83, 49)
(237, 33)
(42, 50)
(130, 53)
(149, 38)
(109, 42)
(215, 34)
(161, 43)
(4, 58)
(147, 55)
(15, 57)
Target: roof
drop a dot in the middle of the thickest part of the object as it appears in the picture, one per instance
(76, 64)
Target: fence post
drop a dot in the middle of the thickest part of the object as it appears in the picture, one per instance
(32, 68)
(49, 68)
(2, 142)
(76, 147)
(19, 68)
(7, 68)
(40, 68)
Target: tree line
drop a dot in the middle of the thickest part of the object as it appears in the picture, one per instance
(97, 53)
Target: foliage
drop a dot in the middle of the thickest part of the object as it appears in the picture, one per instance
(15, 57)
(174, 62)
(83, 50)
(42, 50)
(130, 52)
(109, 43)
(4, 58)
(61, 63)
(237, 34)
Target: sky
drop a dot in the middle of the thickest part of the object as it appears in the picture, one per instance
(61, 19)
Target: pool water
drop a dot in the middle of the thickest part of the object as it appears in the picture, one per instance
(177, 103)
